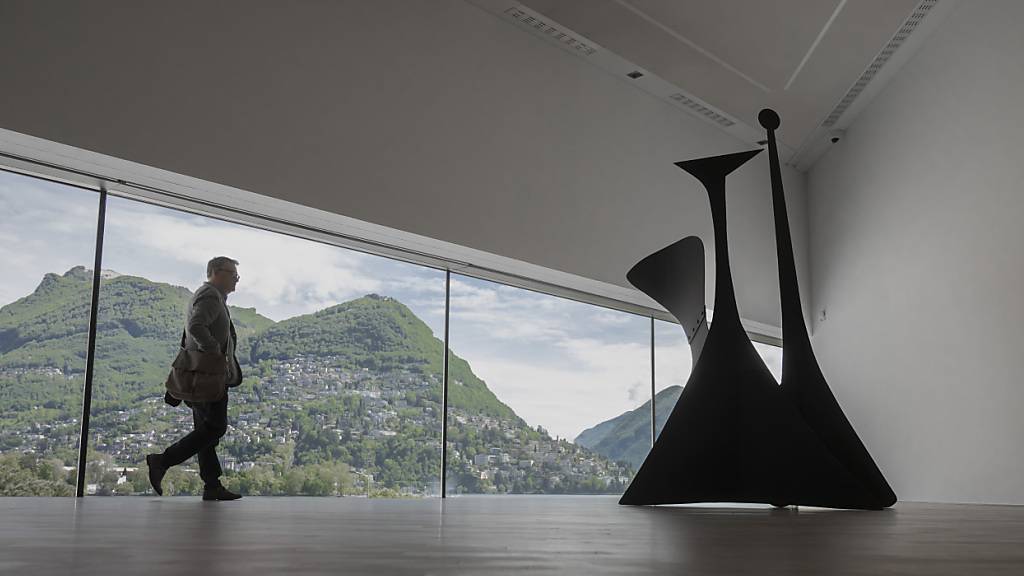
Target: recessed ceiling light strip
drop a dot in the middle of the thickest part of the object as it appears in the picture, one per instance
(702, 109)
(522, 16)
(897, 40)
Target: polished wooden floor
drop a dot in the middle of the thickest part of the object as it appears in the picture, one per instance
(152, 536)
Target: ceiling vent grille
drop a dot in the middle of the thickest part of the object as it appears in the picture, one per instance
(525, 18)
(701, 109)
(901, 35)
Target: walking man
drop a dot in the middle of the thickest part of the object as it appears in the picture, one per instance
(208, 329)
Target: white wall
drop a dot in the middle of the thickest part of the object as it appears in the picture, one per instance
(429, 117)
(916, 254)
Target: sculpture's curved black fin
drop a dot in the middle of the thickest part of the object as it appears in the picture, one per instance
(674, 277)
(802, 380)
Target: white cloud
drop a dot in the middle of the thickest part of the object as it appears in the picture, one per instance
(566, 399)
(558, 363)
(672, 361)
(282, 276)
(46, 227)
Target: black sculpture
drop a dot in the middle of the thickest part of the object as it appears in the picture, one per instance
(734, 434)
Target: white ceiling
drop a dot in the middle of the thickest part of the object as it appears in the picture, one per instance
(432, 118)
(799, 57)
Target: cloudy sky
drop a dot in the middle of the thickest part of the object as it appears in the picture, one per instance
(558, 363)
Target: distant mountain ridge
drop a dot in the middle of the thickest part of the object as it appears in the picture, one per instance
(627, 437)
(59, 309)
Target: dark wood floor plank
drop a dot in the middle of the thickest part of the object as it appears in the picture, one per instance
(497, 535)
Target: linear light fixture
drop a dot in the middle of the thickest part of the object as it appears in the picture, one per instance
(891, 47)
(552, 30)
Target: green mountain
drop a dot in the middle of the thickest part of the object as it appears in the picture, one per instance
(380, 334)
(43, 339)
(627, 437)
(56, 312)
(49, 327)
(139, 327)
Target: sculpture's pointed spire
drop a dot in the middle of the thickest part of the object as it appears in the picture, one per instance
(802, 380)
(712, 172)
(714, 169)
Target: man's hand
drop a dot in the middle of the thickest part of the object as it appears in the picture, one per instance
(171, 399)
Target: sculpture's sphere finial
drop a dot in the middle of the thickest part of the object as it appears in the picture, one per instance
(769, 119)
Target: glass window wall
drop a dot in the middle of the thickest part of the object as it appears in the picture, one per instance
(339, 350)
(546, 395)
(47, 247)
(342, 357)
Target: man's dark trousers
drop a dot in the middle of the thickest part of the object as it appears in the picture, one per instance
(210, 422)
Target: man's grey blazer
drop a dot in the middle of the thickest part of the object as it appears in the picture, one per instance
(209, 328)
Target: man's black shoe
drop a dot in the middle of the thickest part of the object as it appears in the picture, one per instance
(156, 472)
(219, 493)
